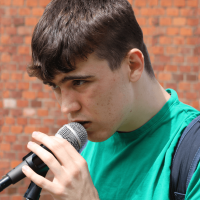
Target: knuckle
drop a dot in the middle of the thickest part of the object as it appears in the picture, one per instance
(49, 158)
(76, 172)
(60, 191)
(83, 163)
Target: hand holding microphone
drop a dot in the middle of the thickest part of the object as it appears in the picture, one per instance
(71, 176)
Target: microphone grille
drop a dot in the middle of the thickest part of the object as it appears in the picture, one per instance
(74, 133)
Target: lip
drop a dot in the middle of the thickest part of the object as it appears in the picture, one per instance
(85, 123)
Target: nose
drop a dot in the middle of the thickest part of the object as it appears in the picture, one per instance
(70, 104)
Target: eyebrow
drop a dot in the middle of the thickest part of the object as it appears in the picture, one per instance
(68, 78)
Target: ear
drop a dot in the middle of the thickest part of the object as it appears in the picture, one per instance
(135, 60)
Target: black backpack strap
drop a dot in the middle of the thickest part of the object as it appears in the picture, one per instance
(185, 160)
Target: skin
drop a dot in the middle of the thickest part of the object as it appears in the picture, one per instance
(109, 101)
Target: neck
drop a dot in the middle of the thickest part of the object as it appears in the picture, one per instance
(148, 97)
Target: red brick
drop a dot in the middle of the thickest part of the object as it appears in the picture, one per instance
(18, 2)
(184, 86)
(42, 112)
(16, 112)
(43, 95)
(28, 40)
(22, 103)
(164, 76)
(29, 95)
(152, 11)
(22, 121)
(5, 2)
(43, 130)
(17, 21)
(5, 129)
(186, 31)
(195, 104)
(16, 129)
(23, 86)
(49, 121)
(24, 11)
(187, 12)
(31, 21)
(185, 68)
(29, 129)
(35, 121)
(191, 95)
(167, 3)
(28, 78)
(5, 76)
(192, 3)
(12, 11)
(130, 1)
(10, 86)
(36, 104)
(141, 21)
(179, 21)
(5, 39)
(191, 77)
(16, 76)
(10, 138)
(5, 147)
(193, 22)
(165, 40)
(179, 3)
(165, 21)
(17, 40)
(44, 2)
(173, 31)
(171, 50)
(10, 120)
(4, 165)
(140, 3)
(178, 59)
(179, 40)
(5, 58)
(11, 30)
(153, 2)
(24, 30)
(193, 59)
(171, 68)
(17, 197)
(6, 21)
(172, 11)
(23, 50)
(14, 163)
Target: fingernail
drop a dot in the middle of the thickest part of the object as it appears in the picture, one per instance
(30, 144)
(34, 133)
(25, 168)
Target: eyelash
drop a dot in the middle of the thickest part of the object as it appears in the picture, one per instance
(74, 82)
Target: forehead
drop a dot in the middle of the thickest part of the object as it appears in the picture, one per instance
(90, 67)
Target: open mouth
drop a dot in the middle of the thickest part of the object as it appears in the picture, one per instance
(85, 124)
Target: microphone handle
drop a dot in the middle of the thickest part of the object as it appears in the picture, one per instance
(33, 191)
(16, 174)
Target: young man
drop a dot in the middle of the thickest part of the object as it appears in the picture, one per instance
(91, 53)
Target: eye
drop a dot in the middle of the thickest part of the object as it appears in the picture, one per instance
(79, 82)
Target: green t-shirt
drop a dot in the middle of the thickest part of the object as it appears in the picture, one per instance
(136, 165)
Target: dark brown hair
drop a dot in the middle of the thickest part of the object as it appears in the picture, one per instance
(70, 30)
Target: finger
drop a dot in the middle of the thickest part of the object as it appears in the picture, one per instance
(47, 158)
(73, 153)
(59, 149)
(37, 179)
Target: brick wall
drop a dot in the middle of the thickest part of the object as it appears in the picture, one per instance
(172, 34)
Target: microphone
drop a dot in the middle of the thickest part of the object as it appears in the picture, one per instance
(73, 132)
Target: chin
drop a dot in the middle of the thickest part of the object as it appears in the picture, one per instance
(98, 136)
